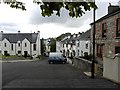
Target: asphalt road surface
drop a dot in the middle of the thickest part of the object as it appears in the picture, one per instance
(40, 74)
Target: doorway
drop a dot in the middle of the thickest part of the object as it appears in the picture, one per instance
(25, 53)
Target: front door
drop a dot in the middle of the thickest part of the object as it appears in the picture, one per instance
(5, 52)
(25, 53)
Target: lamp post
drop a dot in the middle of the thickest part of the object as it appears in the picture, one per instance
(93, 61)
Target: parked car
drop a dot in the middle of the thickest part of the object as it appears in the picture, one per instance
(56, 58)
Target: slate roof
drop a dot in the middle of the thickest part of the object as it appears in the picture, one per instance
(107, 16)
(15, 37)
(69, 40)
(85, 35)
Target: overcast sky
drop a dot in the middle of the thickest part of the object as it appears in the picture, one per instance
(12, 20)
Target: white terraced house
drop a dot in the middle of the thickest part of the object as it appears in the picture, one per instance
(27, 44)
(82, 44)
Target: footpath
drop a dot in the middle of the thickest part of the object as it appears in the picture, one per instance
(27, 60)
(97, 80)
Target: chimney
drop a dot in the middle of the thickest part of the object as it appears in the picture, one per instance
(1, 31)
(112, 8)
(18, 31)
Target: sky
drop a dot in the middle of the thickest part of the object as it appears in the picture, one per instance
(13, 20)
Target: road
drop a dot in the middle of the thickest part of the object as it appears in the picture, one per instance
(40, 74)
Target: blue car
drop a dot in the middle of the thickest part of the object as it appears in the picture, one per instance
(56, 58)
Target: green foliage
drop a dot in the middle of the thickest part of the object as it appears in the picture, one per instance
(7, 54)
(42, 46)
(76, 9)
(15, 4)
(39, 56)
(52, 45)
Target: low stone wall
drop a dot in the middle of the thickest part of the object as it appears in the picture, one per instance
(82, 64)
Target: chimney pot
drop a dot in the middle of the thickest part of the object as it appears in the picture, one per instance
(112, 8)
(18, 31)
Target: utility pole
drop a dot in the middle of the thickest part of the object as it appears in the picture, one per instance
(93, 61)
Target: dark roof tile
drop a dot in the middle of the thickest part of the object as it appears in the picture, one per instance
(14, 37)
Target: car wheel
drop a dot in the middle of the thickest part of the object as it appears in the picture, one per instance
(50, 62)
(64, 62)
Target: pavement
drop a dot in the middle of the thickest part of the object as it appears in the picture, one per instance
(28, 60)
(40, 74)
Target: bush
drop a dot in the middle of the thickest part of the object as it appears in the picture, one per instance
(39, 56)
(7, 54)
(86, 56)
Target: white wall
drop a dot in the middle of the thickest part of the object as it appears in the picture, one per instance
(12, 52)
(7, 48)
(22, 48)
(58, 46)
(27, 48)
(82, 47)
(19, 48)
(38, 45)
(111, 68)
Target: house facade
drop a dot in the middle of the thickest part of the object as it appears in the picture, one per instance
(83, 44)
(27, 44)
(107, 36)
(68, 46)
(47, 47)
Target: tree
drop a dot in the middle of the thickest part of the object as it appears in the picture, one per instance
(76, 9)
(42, 46)
(52, 45)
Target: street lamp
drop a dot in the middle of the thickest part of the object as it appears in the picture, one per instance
(93, 61)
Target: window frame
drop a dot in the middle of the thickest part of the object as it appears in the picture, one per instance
(99, 50)
(34, 47)
(25, 44)
(86, 46)
(117, 49)
(12, 47)
(5, 44)
(104, 29)
(117, 27)
(18, 44)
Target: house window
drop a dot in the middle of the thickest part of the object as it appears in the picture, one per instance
(66, 45)
(5, 44)
(34, 47)
(71, 45)
(18, 44)
(63, 45)
(118, 28)
(78, 52)
(99, 51)
(81, 53)
(117, 50)
(5, 52)
(19, 52)
(11, 46)
(104, 29)
(86, 45)
(25, 44)
(73, 52)
(78, 44)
